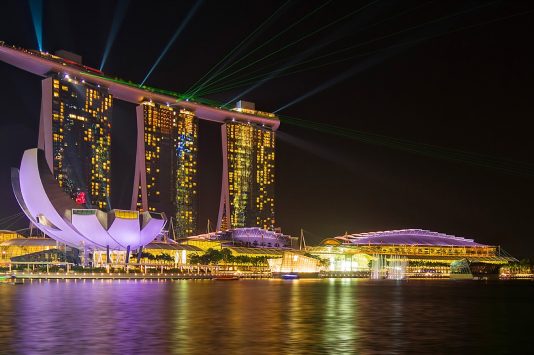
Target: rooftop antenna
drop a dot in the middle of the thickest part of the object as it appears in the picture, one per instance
(302, 240)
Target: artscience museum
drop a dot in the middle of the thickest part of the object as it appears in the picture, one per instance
(52, 210)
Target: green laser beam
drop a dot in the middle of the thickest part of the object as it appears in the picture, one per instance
(407, 43)
(402, 13)
(333, 81)
(275, 36)
(389, 35)
(297, 41)
(399, 32)
(433, 151)
(217, 104)
(192, 90)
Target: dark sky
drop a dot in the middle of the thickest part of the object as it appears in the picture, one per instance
(455, 75)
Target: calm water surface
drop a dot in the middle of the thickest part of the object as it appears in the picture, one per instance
(267, 317)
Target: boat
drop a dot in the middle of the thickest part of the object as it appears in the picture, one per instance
(11, 279)
(289, 276)
(226, 278)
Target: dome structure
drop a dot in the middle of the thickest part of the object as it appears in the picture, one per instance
(51, 210)
(407, 237)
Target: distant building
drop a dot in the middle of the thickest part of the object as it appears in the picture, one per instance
(294, 262)
(247, 196)
(405, 253)
(6, 235)
(166, 165)
(75, 133)
(253, 237)
(23, 246)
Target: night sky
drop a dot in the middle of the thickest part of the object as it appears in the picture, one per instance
(453, 75)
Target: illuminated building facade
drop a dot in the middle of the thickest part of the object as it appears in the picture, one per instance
(54, 213)
(78, 102)
(75, 133)
(185, 173)
(247, 197)
(253, 237)
(416, 252)
(166, 165)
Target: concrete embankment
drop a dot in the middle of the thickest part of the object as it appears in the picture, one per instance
(126, 276)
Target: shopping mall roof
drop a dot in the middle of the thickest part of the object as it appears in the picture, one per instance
(407, 237)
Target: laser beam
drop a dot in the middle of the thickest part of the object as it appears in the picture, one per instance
(297, 59)
(241, 81)
(36, 9)
(173, 38)
(299, 40)
(507, 166)
(274, 73)
(369, 62)
(118, 17)
(232, 54)
(358, 68)
(266, 42)
(213, 89)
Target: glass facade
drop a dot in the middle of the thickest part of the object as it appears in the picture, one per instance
(250, 160)
(170, 145)
(185, 199)
(158, 140)
(81, 140)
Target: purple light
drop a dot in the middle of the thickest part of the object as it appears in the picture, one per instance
(408, 237)
(56, 215)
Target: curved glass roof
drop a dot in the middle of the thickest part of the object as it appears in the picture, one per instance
(408, 237)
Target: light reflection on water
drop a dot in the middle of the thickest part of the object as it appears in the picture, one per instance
(265, 316)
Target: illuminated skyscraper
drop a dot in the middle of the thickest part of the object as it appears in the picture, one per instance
(185, 182)
(75, 133)
(166, 165)
(247, 197)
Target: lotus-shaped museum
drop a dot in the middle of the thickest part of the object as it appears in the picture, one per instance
(51, 210)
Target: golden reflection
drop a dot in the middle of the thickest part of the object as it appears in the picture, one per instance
(181, 316)
(339, 317)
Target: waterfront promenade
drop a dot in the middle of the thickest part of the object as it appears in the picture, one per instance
(64, 271)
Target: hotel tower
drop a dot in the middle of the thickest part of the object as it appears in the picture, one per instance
(165, 177)
(75, 133)
(247, 196)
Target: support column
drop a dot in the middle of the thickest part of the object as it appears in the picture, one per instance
(45, 122)
(140, 167)
(127, 255)
(224, 206)
(139, 254)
